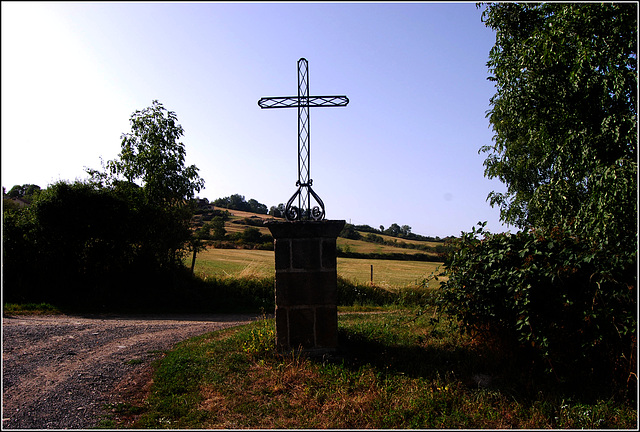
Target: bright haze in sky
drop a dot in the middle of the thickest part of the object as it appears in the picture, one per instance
(405, 149)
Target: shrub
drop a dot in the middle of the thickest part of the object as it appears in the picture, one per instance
(349, 232)
(563, 300)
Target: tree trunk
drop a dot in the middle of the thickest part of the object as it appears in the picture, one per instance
(193, 261)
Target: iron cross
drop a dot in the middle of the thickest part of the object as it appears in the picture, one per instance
(303, 211)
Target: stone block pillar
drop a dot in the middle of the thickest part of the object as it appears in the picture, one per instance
(306, 284)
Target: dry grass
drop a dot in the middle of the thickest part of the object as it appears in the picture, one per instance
(393, 371)
(387, 274)
(256, 263)
(235, 262)
(237, 214)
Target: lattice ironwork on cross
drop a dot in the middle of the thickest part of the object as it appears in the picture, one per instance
(303, 210)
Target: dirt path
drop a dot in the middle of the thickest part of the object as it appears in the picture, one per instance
(59, 371)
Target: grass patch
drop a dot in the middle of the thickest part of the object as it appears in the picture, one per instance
(30, 309)
(400, 369)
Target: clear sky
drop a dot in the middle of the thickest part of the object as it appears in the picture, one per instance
(404, 150)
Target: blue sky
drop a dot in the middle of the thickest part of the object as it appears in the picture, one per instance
(404, 150)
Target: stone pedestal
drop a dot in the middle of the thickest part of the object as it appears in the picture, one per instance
(306, 284)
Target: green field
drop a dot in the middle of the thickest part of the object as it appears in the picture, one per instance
(249, 263)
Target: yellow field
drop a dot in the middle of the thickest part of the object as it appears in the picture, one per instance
(249, 263)
(235, 262)
(387, 273)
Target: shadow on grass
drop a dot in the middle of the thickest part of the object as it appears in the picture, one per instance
(475, 367)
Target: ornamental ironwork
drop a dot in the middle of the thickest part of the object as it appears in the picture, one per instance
(302, 197)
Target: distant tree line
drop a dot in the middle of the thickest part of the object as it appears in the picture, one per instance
(238, 202)
(353, 232)
(395, 230)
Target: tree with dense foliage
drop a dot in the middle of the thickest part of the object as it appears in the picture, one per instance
(118, 237)
(152, 154)
(25, 191)
(349, 231)
(256, 207)
(238, 202)
(396, 230)
(564, 116)
(151, 172)
(72, 242)
(277, 211)
(217, 226)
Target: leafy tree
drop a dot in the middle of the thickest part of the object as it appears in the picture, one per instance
(277, 211)
(238, 202)
(24, 191)
(349, 231)
(257, 207)
(565, 116)
(252, 235)
(563, 289)
(396, 230)
(196, 243)
(233, 202)
(217, 226)
(152, 154)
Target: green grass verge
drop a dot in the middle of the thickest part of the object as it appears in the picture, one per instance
(395, 369)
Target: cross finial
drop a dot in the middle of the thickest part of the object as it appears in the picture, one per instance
(303, 211)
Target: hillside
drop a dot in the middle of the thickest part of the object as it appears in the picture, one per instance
(238, 221)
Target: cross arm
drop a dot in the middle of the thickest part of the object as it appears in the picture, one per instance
(295, 101)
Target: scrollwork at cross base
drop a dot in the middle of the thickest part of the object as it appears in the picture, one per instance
(303, 210)
(292, 212)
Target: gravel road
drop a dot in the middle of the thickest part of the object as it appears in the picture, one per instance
(59, 371)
